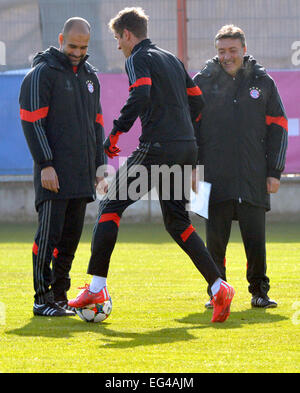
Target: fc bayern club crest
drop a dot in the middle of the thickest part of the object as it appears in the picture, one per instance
(255, 92)
(90, 86)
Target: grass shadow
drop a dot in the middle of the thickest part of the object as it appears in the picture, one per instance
(237, 318)
(195, 321)
(113, 339)
(110, 338)
(55, 327)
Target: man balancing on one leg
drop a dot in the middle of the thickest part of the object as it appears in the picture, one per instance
(167, 101)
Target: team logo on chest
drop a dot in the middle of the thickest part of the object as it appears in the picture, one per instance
(90, 86)
(255, 92)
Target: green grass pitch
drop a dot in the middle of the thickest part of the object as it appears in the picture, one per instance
(159, 323)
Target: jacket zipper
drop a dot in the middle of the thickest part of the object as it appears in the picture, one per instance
(235, 101)
(82, 125)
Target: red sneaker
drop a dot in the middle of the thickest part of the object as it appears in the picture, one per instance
(85, 297)
(222, 301)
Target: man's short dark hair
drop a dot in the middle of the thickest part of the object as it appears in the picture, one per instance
(133, 19)
(231, 31)
(69, 24)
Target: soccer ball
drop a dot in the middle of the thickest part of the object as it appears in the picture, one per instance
(95, 312)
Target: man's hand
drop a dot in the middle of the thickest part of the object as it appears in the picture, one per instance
(272, 185)
(101, 185)
(110, 145)
(49, 179)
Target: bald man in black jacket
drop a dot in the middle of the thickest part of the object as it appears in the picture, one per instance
(63, 125)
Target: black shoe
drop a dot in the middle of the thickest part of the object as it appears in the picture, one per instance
(64, 304)
(263, 302)
(51, 310)
(209, 305)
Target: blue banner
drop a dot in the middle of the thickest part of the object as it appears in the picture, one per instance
(15, 158)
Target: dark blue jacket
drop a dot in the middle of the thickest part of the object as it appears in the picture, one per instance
(162, 94)
(242, 134)
(63, 125)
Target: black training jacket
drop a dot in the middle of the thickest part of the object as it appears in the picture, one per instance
(63, 124)
(242, 135)
(161, 93)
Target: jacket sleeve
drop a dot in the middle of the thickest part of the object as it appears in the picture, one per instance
(197, 120)
(195, 97)
(34, 99)
(277, 134)
(140, 82)
(101, 158)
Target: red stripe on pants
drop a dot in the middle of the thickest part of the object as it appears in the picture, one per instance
(187, 233)
(55, 253)
(99, 119)
(110, 217)
(35, 248)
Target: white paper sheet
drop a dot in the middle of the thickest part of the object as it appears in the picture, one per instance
(199, 201)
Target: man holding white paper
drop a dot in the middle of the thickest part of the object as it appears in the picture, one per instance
(242, 140)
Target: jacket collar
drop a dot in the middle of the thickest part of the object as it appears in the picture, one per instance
(144, 43)
(57, 59)
(64, 60)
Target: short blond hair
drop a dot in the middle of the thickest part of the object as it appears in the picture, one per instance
(133, 19)
(231, 31)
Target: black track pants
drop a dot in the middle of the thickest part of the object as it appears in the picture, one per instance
(176, 218)
(252, 226)
(60, 224)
